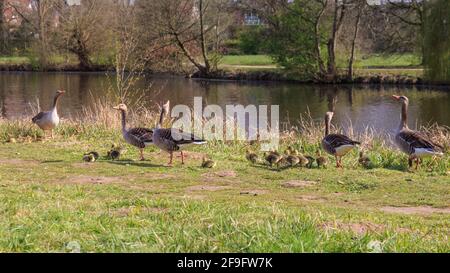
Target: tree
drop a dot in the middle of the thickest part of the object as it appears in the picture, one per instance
(2, 28)
(359, 6)
(82, 29)
(41, 16)
(410, 13)
(437, 41)
(195, 27)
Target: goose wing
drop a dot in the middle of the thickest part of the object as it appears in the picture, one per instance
(139, 137)
(334, 141)
(142, 134)
(180, 138)
(415, 140)
(38, 117)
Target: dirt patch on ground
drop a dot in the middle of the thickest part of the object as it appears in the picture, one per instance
(416, 210)
(358, 228)
(19, 162)
(221, 174)
(312, 198)
(298, 184)
(94, 180)
(208, 188)
(155, 176)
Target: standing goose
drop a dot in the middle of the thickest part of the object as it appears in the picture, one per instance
(138, 137)
(163, 138)
(414, 143)
(336, 144)
(50, 119)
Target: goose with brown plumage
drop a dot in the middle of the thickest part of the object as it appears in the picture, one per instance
(413, 143)
(49, 120)
(337, 145)
(166, 141)
(137, 137)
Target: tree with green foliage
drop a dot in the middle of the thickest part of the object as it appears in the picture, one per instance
(437, 41)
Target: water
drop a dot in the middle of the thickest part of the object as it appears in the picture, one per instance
(359, 106)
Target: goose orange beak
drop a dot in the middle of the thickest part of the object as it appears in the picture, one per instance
(396, 97)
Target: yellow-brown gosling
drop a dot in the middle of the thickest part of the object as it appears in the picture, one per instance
(322, 161)
(251, 157)
(89, 158)
(292, 160)
(303, 160)
(273, 158)
(94, 154)
(364, 160)
(208, 163)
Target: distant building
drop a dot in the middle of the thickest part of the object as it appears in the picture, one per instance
(11, 16)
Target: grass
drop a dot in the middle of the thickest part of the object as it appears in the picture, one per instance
(248, 60)
(55, 60)
(56, 203)
(14, 60)
(372, 61)
(385, 61)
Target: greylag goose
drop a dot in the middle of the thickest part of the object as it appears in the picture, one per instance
(48, 121)
(336, 144)
(138, 137)
(163, 138)
(414, 143)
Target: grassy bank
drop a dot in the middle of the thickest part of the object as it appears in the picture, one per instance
(55, 202)
(372, 61)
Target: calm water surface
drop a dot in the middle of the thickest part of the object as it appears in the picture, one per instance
(362, 105)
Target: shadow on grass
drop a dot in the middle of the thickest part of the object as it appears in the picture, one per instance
(142, 164)
(52, 161)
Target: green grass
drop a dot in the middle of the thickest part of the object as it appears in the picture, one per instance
(384, 61)
(248, 60)
(14, 60)
(396, 60)
(52, 201)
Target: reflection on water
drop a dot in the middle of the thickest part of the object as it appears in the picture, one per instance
(360, 106)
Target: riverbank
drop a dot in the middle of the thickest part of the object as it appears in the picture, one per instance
(261, 68)
(55, 202)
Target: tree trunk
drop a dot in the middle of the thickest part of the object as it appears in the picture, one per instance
(43, 56)
(2, 29)
(355, 36)
(202, 38)
(321, 64)
(331, 45)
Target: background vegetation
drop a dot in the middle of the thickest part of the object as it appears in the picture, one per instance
(321, 39)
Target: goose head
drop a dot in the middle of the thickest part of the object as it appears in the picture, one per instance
(402, 99)
(121, 107)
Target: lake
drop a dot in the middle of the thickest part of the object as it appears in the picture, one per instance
(360, 106)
